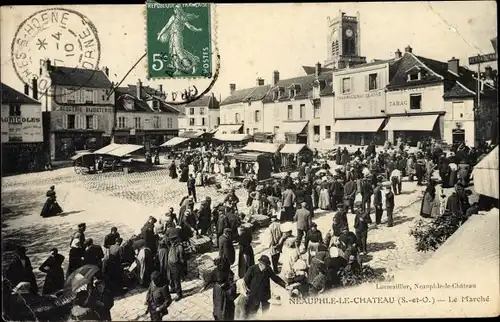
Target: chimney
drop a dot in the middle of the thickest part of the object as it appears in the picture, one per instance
(139, 89)
(232, 88)
(35, 88)
(317, 71)
(260, 81)
(408, 49)
(27, 89)
(397, 53)
(106, 71)
(276, 77)
(453, 65)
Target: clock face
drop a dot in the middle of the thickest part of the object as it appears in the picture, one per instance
(349, 33)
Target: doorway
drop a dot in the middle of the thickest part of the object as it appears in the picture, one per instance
(458, 136)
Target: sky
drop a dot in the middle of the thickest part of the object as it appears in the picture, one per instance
(256, 39)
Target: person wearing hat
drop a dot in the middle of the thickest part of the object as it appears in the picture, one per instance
(205, 216)
(276, 241)
(227, 253)
(350, 190)
(366, 194)
(223, 295)
(54, 280)
(176, 264)
(337, 193)
(257, 280)
(158, 297)
(246, 254)
(77, 250)
(389, 206)
(361, 227)
(148, 234)
(377, 203)
(20, 270)
(51, 192)
(312, 241)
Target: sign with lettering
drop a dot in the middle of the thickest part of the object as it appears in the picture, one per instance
(22, 129)
(398, 103)
(84, 109)
(20, 120)
(358, 96)
(415, 90)
(474, 60)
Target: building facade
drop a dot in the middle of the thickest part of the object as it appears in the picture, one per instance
(200, 115)
(143, 117)
(81, 109)
(22, 131)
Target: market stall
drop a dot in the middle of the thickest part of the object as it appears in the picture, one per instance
(235, 139)
(293, 155)
(256, 163)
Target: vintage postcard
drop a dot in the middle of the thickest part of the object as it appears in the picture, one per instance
(284, 161)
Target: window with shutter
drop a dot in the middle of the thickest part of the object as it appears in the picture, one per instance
(96, 97)
(380, 78)
(65, 121)
(95, 121)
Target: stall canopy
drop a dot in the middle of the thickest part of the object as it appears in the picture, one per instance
(248, 156)
(262, 147)
(294, 148)
(108, 148)
(125, 149)
(293, 127)
(229, 128)
(361, 125)
(175, 141)
(79, 155)
(232, 137)
(485, 175)
(411, 123)
(192, 134)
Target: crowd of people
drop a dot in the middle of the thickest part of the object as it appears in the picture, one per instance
(312, 262)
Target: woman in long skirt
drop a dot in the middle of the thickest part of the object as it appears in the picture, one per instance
(246, 254)
(173, 170)
(324, 197)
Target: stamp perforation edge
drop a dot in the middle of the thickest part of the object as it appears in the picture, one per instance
(215, 52)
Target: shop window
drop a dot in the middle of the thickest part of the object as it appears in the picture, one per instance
(290, 112)
(191, 121)
(169, 123)
(257, 116)
(317, 109)
(372, 81)
(203, 121)
(14, 110)
(346, 85)
(71, 121)
(328, 132)
(415, 101)
(302, 111)
(90, 121)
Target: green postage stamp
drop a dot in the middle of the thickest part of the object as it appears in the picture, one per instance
(179, 41)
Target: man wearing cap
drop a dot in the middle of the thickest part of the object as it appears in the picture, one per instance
(110, 239)
(288, 200)
(227, 254)
(205, 216)
(337, 193)
(366, 194)
(148, 234)
(350, 190)
(377, 202)
(191, 186)
(257, 280)
(303, 219)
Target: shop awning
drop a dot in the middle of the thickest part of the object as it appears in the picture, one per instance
(191, 134)
(125, 149)
(292, 127)
(485, 175)
(262, 147)
(247, 156)
(229, 128)
(358, 125)
(411, 123)
(232, 137)
(108, 148)
(175, 141)
(294, 148)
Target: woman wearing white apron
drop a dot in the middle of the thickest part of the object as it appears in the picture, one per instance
(313, 239)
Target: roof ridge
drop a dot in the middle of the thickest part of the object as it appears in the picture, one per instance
(464, 87)
(425, 66)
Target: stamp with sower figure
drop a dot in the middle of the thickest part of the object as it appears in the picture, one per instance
(179, 43)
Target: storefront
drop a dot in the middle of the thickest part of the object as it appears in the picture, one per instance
(67, 142)
(147, 138)
(359, 131)
(292, 132)
(414, 128)
(293, 155)
(22, 157)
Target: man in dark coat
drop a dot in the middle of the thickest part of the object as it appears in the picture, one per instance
(191, 186)
(227, 253)
(224, 293)
(288, 200)
(377, 203)
(20, 270)
(303, 219)
(308, 197)
(257, 280)
(77, 250)
(54, 280)
(287, 180)
(338, 157)
(366, 194)
(337, 193)
(176, 265)
(112, 266)
(361, 227)
(148, 234)
(93, 254)
(173, 170)
(222, 223)
(389, 206)
(350, 190)
(246, 254)
(110, 238)
(205, 217)
(234, 222)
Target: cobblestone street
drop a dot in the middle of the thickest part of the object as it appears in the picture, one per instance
(126, 201)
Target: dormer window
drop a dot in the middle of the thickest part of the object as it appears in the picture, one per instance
(156, 105)
(281, 92)
(414, 74)
(275, 95)
(291, 91)
(414, 77)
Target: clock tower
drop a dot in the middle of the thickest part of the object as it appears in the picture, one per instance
(343, 43)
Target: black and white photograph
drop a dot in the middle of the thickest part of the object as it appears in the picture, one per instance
(249, 161)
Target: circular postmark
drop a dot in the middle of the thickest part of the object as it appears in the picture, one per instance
(57, 37)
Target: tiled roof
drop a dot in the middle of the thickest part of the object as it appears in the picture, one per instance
(237, 96)
(67, 76)
(12, 96)
(310, 70)
(139, 104)
(457, 91)
(407, 62)
(206, 101)
(258, 93)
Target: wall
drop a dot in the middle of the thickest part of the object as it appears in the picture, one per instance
(26, 128)
(147, 120)
(398, 101)
(227, 112)
(461, 112)
(250, 123)
(65, 93)
(210, 116)
(361, 102)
